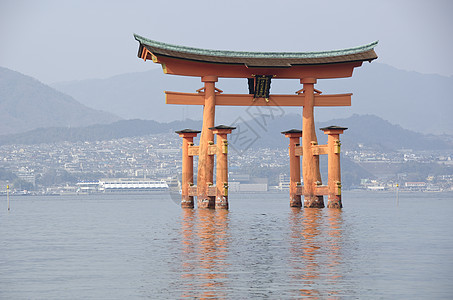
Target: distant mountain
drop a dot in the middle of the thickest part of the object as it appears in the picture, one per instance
(135, 95)
(368, 130)
(26, 104)
(373, 131)
(419, 102)
(98, 132)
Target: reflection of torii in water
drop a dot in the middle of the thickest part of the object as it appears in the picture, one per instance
(258, 68)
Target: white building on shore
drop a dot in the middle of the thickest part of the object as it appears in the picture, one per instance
(122, 185)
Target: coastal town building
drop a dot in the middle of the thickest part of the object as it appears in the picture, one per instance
(108, 160)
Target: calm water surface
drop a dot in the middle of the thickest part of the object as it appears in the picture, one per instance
(146, 246)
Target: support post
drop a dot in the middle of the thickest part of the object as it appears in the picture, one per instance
(334, 170)
(294, 136)
(187, 167)
(222, 165)
(205, 175)
(310, 162)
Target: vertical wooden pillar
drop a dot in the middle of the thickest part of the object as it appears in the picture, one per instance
(294, 167)
(310, 162)
(222, 165)
(205, 175)
(334, 170)
(187, 166)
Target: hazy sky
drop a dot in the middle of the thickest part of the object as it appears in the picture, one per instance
(72, 40)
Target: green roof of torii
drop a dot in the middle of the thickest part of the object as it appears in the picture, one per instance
(271, 59)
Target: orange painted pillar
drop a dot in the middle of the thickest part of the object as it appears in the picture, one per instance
(310, 162)
(222, 165)
(187, 166)
(334, 170)
(294, 167)
(205, 175)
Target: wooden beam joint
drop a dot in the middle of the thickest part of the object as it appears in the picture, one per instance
(299, 150)
(193, 150)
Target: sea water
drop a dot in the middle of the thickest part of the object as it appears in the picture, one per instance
(147, 247)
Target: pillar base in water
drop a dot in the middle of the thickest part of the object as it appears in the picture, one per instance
(221, 202)
(335, 202)
(206, 202)
(314, 201)
(187, 202)
(295, 201)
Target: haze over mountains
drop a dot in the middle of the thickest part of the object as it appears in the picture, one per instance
(381, 94)
(419, 102)
(26, 104)
(266, 134)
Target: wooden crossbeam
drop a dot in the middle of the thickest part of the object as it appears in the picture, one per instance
(212, 190)
(247, 100)
(193, 190)
(177, 66)
(319, 149)
(320, 190)
(194, 150)
(300, 190)
(299, 151)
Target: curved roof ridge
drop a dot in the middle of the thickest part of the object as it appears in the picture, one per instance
(228, 53)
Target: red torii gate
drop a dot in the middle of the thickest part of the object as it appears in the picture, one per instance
(258, 68)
